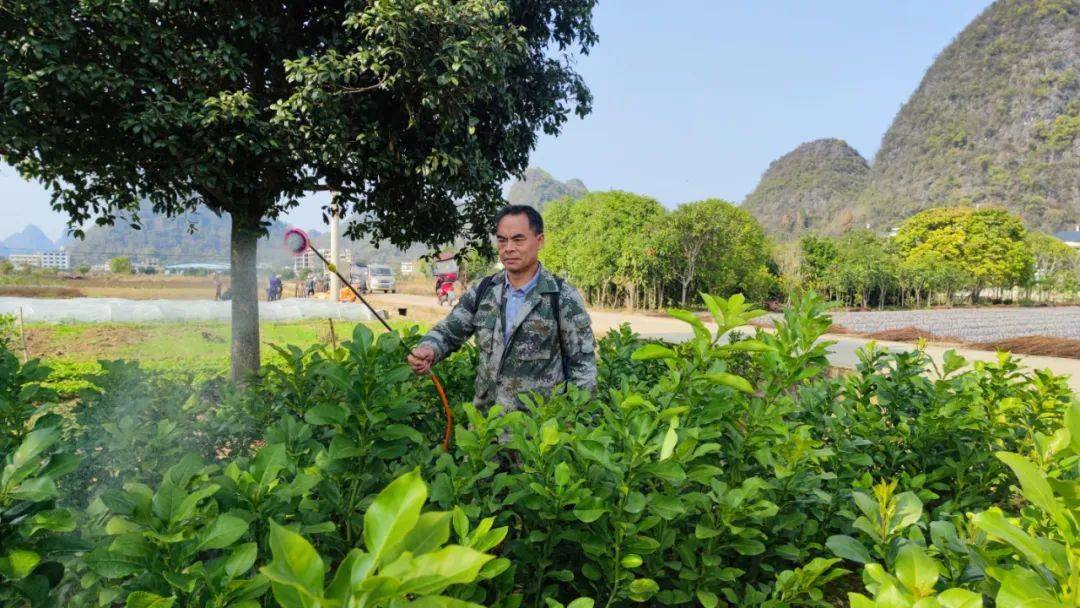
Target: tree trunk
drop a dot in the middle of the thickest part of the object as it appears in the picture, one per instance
(245, 298)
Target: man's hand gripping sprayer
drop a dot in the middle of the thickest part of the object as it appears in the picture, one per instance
(297, 241)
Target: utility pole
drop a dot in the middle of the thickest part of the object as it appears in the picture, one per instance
(335, 250)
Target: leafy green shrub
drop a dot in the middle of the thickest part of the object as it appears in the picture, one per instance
(31, 549)
(721, 471)
(1044, 566)
(21, 395)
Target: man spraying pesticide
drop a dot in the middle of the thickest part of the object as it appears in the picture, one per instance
(532, 329)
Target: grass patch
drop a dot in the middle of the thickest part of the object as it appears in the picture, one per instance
(191, 345)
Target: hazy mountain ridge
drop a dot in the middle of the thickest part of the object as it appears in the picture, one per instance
(28, 240)
(192, 238)
(813, 185)
(539, 188)
(995, 119)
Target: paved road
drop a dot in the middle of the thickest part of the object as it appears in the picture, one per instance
(843, 353)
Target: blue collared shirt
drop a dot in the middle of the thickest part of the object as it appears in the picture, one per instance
(514, 300)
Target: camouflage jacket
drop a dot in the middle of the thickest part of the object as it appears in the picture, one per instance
(531, 360)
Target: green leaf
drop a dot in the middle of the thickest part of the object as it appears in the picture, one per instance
(708, 599)
(54, 520)
(589, 515)
(38, 489)
(748, 546)
(909, 510)
(642, 589)
(18, 563)
(848, 548)
(700, 331)
(1025, 589)
(350, 573)
(667, 507)
(224, 531)
(440, 601)
(730, 380)
(393, 513)
(327, 414)
(562, 474)
(716, 308)
(916, 570)
(1034, 485)
(33, 445)
(241, 559)
(960, 598)
(667, 448)
(581, 602)
(295, 563)
(748, 346)
(187, 506)
(549, 434)
(268, 462)
(432, 572)
(652, 351)
(993, 522)
(431, 531)
(1072, 422)
(113, 565)
(145, 599)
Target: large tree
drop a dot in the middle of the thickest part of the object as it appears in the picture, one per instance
(988, 244)
(716, 247)
(414, 112)
(602, 241)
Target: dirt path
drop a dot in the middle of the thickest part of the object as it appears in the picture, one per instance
(603, 321)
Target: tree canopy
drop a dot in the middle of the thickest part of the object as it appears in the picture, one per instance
(413, 112)
(940, 252)
(625, 248)
(987, 245)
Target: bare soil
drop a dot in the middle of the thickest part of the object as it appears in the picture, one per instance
(41, 291)
(93, 342)
(1047, 346)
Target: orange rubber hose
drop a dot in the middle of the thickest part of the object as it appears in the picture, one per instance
(446, 411)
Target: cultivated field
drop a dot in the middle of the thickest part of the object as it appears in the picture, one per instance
(975, 325)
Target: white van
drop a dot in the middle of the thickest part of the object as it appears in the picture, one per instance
(380, 278)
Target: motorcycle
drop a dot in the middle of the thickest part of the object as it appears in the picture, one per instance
(444, 288)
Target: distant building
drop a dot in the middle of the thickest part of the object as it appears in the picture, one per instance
(59, 260)
(104, 267)
(1070, 237)
(408, 268)
(308, 259)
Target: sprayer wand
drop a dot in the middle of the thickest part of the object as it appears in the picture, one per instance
(297, 240)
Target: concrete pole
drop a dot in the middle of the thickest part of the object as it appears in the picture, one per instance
(335, 252)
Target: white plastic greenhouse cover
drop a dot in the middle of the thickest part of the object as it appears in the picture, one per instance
(117, 310)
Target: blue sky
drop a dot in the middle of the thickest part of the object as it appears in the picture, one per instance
(693, 99)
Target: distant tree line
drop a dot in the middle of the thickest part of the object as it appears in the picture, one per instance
(941, 256)
(624, 249)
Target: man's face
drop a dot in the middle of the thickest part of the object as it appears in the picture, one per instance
(518, 244)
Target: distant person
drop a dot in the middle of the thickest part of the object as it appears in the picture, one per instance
(217, 287)
(311, 286)
(273, 291)
(532, 329)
